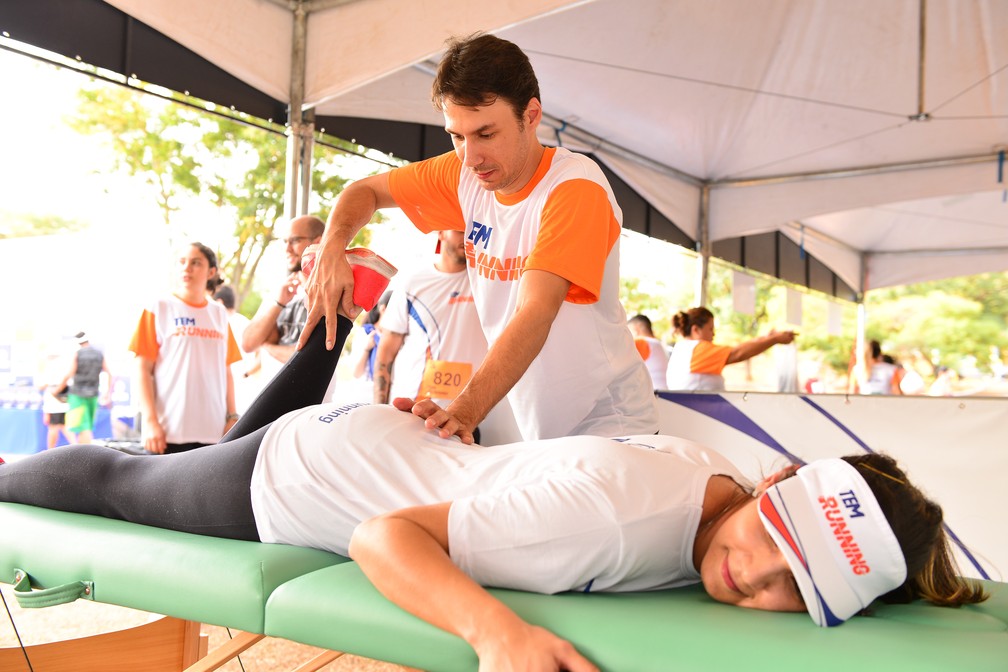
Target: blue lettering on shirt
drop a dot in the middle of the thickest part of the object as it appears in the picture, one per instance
(479, 234)
(337, 412)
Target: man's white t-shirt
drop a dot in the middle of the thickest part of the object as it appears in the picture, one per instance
(574, 513)
(435, 313)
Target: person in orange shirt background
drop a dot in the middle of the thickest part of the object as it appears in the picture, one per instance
(696, 362)
(184, 349)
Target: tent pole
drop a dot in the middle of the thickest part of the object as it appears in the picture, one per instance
(703, 228)
(860, 366)
(922, 55)
(300, 132)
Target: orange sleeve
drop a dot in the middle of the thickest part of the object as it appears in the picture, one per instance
(144, 342)
(427, 191)
(643, 347)
(709, 358)
(578, 230)
(233, 353)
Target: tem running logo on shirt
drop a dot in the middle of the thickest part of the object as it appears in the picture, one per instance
(494, 268)
(186, 326)
(486, 265)
(459, 297)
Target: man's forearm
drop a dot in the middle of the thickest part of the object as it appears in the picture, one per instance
(504, 365)
(382, 382)
(262, 327)
(280, 352)
(388, 349)
(356, 206)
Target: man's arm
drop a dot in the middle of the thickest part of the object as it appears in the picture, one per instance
(280, 352)
(329, 289)
(70, 374)
(106, 396)
(388, 348)
(262, 328)
(540, 296)
(405, 556)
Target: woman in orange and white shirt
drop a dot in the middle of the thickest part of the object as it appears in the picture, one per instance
(696, 362)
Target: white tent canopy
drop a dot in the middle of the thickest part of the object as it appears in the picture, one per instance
(867, 131)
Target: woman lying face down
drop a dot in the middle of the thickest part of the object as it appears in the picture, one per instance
(425, 516)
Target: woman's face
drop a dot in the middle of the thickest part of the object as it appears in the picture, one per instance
(743, 566)
(194, 270)
(704, 333)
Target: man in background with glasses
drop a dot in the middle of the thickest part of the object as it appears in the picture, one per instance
(278, 323)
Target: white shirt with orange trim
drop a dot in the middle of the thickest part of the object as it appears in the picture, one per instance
(588, 377)
(655, 357)
(697, 365)
(434, 312)
(191, 347)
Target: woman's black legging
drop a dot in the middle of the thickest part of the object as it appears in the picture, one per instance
(204, 491)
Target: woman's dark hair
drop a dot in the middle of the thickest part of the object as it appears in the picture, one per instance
(211, 257)
(479, 69)
(685, 320)
(916, 521)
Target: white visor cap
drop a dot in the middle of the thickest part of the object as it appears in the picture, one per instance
(831, 530)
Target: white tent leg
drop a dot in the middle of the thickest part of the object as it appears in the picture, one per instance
(703, 227)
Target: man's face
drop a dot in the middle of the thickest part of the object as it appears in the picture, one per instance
(453, 245)
(501, 151)
(297, 239)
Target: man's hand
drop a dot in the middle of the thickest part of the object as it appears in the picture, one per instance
(329, 292)
(437, 418)
(288, 290)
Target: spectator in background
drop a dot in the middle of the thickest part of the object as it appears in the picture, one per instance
(883, 374)
(650, 348)
(277, 325)
(430, 331)
(245, 389)
(943, 382)
(696, 362)
(365, 343)
(184, 350)
(54, 403)
(84, 381)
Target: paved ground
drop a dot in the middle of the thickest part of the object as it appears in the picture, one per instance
(81, 618)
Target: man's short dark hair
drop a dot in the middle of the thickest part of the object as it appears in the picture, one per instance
(226, 296)
(479, 69)
(641, 319)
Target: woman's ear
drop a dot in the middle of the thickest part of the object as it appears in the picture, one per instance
(776, 477)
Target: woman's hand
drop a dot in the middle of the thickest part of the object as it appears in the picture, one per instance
(530, 649)
(153, 436)
(405, 555)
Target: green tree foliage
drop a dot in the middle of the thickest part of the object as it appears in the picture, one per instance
(942, 323)
(147, 144)
(238, 167)
(30, 224)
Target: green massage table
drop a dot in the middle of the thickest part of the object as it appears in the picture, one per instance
(324, 600)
